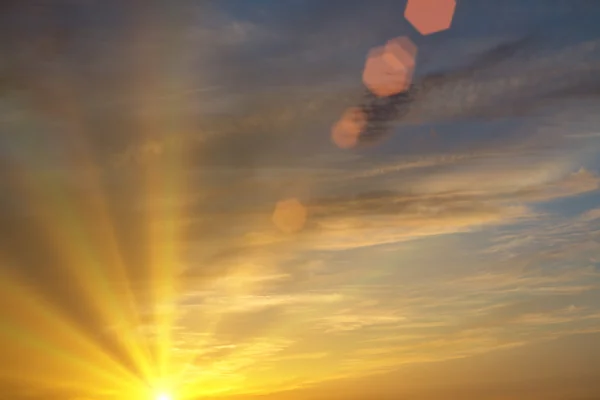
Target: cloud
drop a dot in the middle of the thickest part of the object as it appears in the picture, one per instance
(248, 303)
(591, 215)
(350, 321)
(444, 202)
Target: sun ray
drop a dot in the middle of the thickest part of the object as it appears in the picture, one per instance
(161, 126)
(41, 328)
(79, 216)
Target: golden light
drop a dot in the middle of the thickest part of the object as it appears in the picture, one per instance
(163, 396)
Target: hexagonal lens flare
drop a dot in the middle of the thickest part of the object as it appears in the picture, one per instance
(430, 16)
(389, 69)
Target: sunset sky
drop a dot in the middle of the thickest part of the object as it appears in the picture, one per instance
(175, 218)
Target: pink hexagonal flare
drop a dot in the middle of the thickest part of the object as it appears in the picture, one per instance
(430, 16)
(345, 133)
(400, 53)
(389, 69)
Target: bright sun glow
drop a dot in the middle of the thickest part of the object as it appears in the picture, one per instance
(163, 396)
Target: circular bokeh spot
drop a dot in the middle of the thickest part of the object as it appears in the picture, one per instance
(346, 131)
(289, 215)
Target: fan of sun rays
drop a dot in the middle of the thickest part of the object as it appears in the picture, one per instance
(88, 321)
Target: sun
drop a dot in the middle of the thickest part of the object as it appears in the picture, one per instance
(163, 396)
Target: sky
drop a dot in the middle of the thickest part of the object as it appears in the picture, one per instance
(176, 219)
